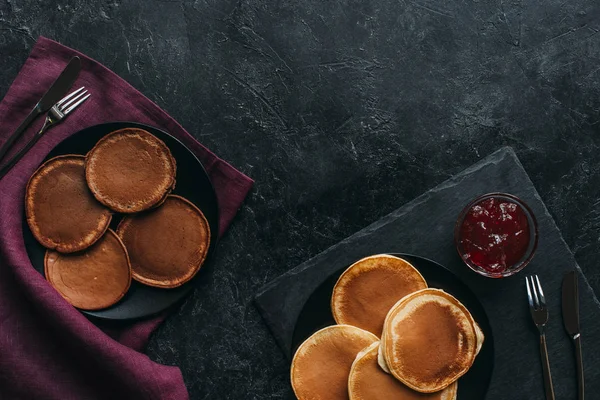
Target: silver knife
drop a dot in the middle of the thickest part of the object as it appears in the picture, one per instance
(57, 91)
(570, 312)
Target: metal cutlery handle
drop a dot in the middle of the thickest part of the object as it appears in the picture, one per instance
(19, 155)
(25, 149)
(7, 145)
(546, 368)
(579, 359)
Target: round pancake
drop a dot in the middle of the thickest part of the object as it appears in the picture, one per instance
(322, 363)
(61, 211)
(166, 245)
(367, 290)
(429, 340)
(130, 170)
(383, 365)
(368, 382)
(93, 279)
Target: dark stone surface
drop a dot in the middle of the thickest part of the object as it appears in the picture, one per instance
(517, 357)
(341, 111)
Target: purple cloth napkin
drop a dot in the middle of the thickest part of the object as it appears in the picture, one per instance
(48, 349)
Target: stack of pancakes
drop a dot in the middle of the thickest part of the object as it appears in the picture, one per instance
(395, 339)
(162, 240)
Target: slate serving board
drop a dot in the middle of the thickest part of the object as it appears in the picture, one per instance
(424, 227)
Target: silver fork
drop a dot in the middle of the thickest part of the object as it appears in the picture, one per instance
(56, 114)
(539, 313)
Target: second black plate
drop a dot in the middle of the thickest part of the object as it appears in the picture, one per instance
(192, 182)
(316, 314)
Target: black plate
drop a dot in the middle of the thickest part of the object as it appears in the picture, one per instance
(192, 182)
(316, 314)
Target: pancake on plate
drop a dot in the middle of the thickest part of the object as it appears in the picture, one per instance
(429, 340)
(480, 339)
(368, 382)
(166, 245)
(367, 290)
(93, 279)
(322, 363)
(62, 213)
(130, 170)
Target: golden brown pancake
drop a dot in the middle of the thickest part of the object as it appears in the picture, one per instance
(367, 290)
(480, 339)
(61, 211)
(166, 245)
(429, 340)
(130, 170)
(322, 363)
(369, 382)
(95, 278)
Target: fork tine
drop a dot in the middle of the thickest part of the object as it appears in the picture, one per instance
(74, 106)
(540, 292)
(536, 300)
(73, 100)
(529, 297)
(67, 97)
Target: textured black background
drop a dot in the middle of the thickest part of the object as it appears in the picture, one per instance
(341, 111)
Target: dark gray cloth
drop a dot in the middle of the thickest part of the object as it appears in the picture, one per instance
(425, 227)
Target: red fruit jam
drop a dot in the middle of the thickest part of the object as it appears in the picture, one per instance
(494, 234)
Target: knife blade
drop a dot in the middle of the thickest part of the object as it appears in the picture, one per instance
(570, 304)
(570, 312)
(56, 92)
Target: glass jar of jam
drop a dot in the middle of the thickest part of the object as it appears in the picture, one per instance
(496, 235)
